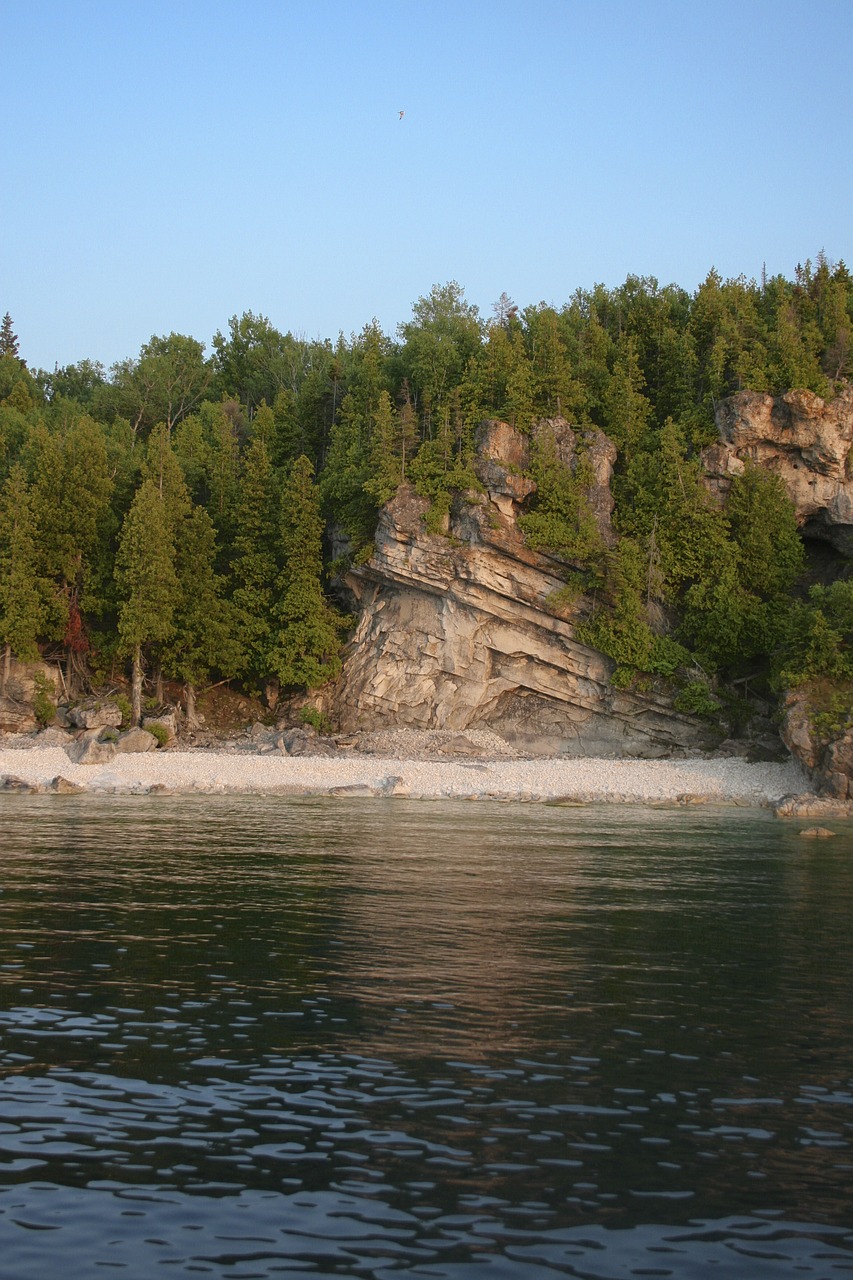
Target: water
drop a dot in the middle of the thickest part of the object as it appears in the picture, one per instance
(247, 1037)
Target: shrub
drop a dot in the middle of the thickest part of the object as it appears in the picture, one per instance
(160, 732)
(696, 699)
(125, 708)
(311, 716)
(43, 705)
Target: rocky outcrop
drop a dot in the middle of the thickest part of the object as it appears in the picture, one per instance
(460, 631)
(827, 758)
(801, 438)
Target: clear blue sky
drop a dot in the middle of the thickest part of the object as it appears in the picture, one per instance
(168, 165)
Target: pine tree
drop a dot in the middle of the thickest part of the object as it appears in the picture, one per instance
(8, 338)
(255, 566)
(204, 635)
(22, 590)
(146, 580)
(306, 642)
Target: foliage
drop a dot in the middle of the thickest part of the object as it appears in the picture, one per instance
(562, 520)
(44, 708)
(141, 503)
(305, 644)
(316, 719)
(158, 731)
(696, 699)
(818, 643)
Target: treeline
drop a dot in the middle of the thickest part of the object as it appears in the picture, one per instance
(170, 512)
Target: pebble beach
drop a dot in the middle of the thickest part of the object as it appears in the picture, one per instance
(352, 774)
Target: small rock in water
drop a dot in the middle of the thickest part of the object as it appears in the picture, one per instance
(817, 833)
(11, 782)
(64, 787)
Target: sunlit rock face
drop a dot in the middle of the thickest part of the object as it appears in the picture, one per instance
(460, 630)
(800, 437)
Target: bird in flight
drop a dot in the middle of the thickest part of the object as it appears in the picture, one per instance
(402, 113)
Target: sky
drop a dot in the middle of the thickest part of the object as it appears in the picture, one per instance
(166, 166)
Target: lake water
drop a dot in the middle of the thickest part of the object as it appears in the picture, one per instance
(249, 1037)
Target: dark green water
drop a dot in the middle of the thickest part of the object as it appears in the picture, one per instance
(257, 1037)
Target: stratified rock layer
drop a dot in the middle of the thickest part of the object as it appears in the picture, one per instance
(804, 440)
(457, 632)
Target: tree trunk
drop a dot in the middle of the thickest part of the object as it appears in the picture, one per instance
(159, 692)
(193, 721)
(4, 671)
(136, 689)
(69, 672)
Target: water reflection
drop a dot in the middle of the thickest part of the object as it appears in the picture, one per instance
(252, 1038)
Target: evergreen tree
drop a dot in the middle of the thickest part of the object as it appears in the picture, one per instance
(562, 520)
(306, 642)
(255, 566)
(8, 338)
(146, 580)
(203, 638)
(22, 591)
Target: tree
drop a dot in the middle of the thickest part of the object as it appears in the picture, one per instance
(72, 487)
(440, 339)
(562, 520)
(146, 580)
(255, 565)
(306, 640)
(166, 383)
(22, 590)
(627, 412)
(8, 338)
(203, 637)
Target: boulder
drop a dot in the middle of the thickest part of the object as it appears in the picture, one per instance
(89, 749)
(136, 740)
(64, 787)
(19, 786)
(796, 729)
(94, 714)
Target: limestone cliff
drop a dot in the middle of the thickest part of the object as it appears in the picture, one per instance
(805, 440)
(458, 631)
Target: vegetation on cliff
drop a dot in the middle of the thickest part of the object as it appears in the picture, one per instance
(168, 513)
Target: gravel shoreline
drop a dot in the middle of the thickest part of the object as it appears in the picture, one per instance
(583, 780)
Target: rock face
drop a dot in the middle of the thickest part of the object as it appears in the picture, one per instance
(801, 438)
(457, 631)
(830, 763)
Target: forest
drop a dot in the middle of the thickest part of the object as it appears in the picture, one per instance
(184, 514)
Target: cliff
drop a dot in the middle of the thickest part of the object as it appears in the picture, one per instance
(460, 631)
(803, 439)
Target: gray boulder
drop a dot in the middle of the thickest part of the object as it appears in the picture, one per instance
(136, 740)
(90, 750)
(95, 715)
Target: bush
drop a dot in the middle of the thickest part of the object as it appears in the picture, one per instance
(160, 732)
(311, 716)
(125, 708)
(696, 699)
(43, 705)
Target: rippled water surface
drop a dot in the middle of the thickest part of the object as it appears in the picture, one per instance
(247, 1037)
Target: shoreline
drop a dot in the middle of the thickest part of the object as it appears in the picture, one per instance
(693, 780)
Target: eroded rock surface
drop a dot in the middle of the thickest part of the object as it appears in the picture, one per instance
(800, 437)
(457, 631)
